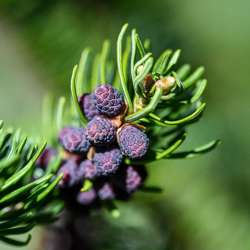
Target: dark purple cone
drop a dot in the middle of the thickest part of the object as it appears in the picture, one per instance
(108, 100)
(107, 161)
(71, 174)
(128, 179)
(86, 198)
(134, 178)
(100, 131)
(47, 155)
(88, 169)
(87, 104)
(74, 140)
(133, 142)
(106, 192)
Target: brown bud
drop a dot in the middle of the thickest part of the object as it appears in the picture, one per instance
(165, 83)
(148, 83)
(117, 121)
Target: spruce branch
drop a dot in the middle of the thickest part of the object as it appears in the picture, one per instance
(157, 101)
(161, 98)
(18, 187)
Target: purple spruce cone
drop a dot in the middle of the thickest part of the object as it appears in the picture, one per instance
(88, 169)
(86, 198)
(100, 131)
(87, 104)
(108, 100)
(134, 178)
(106, 192)
(133, 142)
(72, 174)
(107, 161)
(74, 140)
(128, 179)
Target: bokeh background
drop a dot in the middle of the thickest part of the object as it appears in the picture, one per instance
(206, 201)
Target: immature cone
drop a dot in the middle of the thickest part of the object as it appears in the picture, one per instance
(100, 131)
(134, 178)
(87, 104)
(106, 192)
(86, 198)
(74, 140)
(88, 169)
(128, 180)
(70, 174)
(108, 100)
(107, 161)
(133, 142)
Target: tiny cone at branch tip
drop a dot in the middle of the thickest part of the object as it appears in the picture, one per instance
(108, 100)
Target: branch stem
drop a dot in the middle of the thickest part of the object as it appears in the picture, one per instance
(148, 109)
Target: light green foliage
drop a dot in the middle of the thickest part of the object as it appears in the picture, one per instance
(24, 201)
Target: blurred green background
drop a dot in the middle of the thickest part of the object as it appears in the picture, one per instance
(206, 200)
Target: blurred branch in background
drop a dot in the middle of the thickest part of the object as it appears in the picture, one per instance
(206, 202)
(57, 31)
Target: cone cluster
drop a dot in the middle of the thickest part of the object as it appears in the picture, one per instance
(96, 153)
